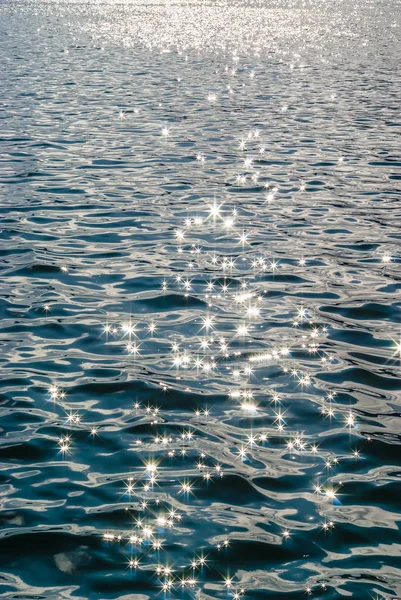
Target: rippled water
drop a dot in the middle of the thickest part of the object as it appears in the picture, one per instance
(173, 174)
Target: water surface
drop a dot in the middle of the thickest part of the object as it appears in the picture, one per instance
(200, 299)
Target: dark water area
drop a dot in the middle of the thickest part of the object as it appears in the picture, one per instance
(200, 390)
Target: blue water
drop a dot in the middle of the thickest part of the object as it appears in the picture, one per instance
(200, 299)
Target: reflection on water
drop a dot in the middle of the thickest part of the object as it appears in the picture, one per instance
(200, 332)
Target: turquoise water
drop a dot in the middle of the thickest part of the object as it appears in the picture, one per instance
(200, 300)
